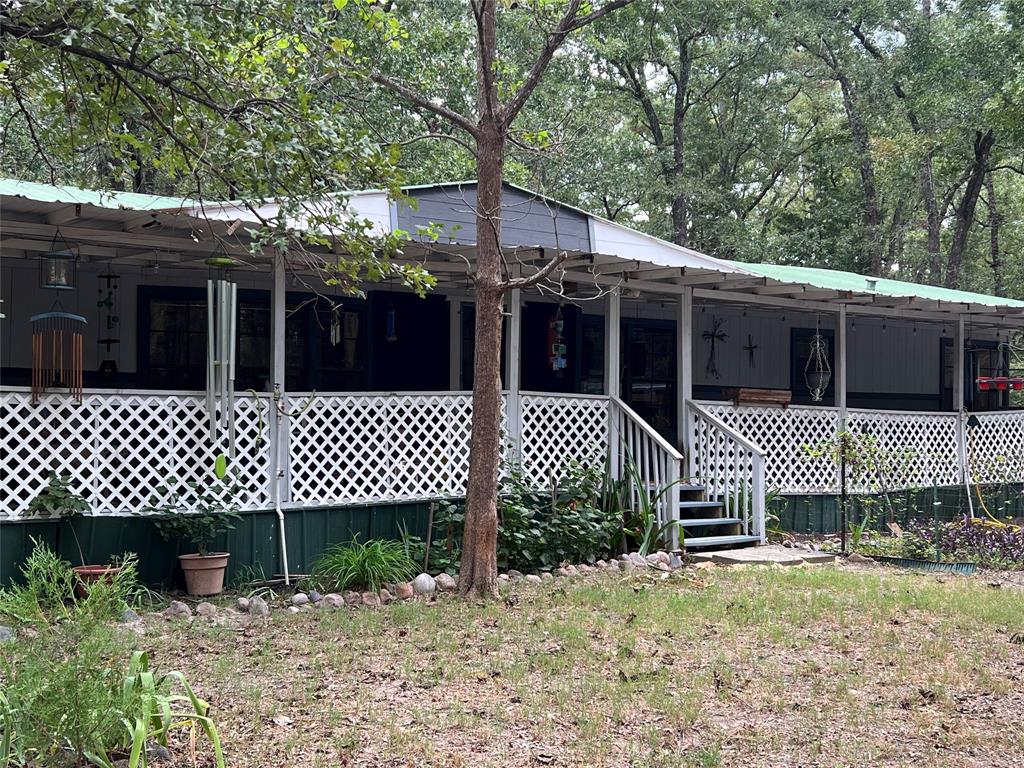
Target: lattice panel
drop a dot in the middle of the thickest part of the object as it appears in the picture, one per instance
(996, 448)
(557, 428)
(911, 450)
(781, 434)
(119, 447)
(361, 448)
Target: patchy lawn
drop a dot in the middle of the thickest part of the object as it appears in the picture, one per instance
(754, 667)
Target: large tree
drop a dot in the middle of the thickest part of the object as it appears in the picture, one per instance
(506, 77)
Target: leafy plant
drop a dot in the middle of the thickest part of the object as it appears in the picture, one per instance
(194, 511)
(366, 565)
(59, 500)
(643, 526)
(69, 694)
(857, 528)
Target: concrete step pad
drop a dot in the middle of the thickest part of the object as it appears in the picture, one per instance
(693, 542)
(770, 553)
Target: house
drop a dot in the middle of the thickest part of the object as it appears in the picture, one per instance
(345, 413)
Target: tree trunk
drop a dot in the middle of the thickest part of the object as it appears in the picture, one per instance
(871, 216)
(995, 222)
(934, 218)
(968, 203)
(478, 571)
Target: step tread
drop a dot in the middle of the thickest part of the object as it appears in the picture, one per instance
(697, 521)
(718, 541)
(699, 504)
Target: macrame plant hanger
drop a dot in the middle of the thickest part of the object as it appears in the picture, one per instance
(58, 357)
(817, 371)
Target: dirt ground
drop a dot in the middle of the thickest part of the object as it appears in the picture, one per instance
(815, 666)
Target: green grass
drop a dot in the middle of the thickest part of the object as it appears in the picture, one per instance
(724, 667)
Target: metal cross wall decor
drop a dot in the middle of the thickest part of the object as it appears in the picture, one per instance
(715, 335)
(750, 348)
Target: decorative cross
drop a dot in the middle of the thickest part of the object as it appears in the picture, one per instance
(713, 336)
(750, 347)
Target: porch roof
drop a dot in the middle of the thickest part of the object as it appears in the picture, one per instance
(600, 253)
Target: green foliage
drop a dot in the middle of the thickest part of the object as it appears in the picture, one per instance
(69, 694)
(57, 499)
(368, 565)
(194, 511)
(643, 526)
(580, 520)
(48, 592)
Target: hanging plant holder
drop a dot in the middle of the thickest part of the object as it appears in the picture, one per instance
(817, 371)
(57, 352)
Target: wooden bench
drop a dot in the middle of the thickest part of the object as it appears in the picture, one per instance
(750, 396)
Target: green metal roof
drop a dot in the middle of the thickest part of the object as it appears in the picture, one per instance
(45, 193)
(835, 280)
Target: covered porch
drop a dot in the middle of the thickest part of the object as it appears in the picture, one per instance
(635, 351)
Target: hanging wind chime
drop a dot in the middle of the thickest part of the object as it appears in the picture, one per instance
(817, 371)
(57, 336)
(107, 303)
(221, 305)
(556, 343)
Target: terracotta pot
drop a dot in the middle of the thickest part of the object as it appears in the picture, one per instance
(88, 574)
(204, 574)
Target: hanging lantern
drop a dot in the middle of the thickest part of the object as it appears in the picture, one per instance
(57, 353)
(817, 371)
(58, 266)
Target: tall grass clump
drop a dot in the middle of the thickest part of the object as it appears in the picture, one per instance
(72, 690)
(368, 565)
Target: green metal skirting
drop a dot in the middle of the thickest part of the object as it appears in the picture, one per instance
(820, 513)
(253, 543)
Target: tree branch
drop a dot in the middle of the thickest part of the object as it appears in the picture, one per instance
(569, 23)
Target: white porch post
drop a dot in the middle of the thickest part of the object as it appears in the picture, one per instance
(512, 359)
(280, 453)
(684, 375)
(454, 343)
(958, 404)
(612, 331)
(841, 355)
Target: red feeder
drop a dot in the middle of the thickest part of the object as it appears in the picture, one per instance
(1002, 383)
(1017, 384)
(984, 383)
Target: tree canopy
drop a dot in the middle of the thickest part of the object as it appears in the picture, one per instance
(881, 136)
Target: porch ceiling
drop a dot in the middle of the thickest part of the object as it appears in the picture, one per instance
(145, 229)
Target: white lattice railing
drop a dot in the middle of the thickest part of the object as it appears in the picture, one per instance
(556, 427)
(782, 434)
(119, 447)
(995, 447)
(356, 448)
(656, 463)
(731, 468)
(916, 449)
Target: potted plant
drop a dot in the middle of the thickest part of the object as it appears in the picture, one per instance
(199, 513)
(59, 500)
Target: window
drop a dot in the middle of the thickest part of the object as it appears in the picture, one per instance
(176, 343)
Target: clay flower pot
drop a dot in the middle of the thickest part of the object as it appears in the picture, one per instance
(89, 574)
(204, 574)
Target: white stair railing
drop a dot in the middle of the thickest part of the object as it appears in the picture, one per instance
(657, 463)
(730, 467)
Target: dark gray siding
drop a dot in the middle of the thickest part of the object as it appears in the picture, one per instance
(526, 220)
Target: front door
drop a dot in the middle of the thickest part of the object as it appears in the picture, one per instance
(649, 373)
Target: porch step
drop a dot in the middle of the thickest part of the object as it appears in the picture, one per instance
(699, 504)
(697, 522)
(696, 542)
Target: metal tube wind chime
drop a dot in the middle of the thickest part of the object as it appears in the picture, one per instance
(222, 301)
(58, 357)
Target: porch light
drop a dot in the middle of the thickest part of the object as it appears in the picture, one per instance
(58, 267)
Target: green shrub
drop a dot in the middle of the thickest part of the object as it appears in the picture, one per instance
(70, 693)
(368, 565)
(195, 512)
(579, 521)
